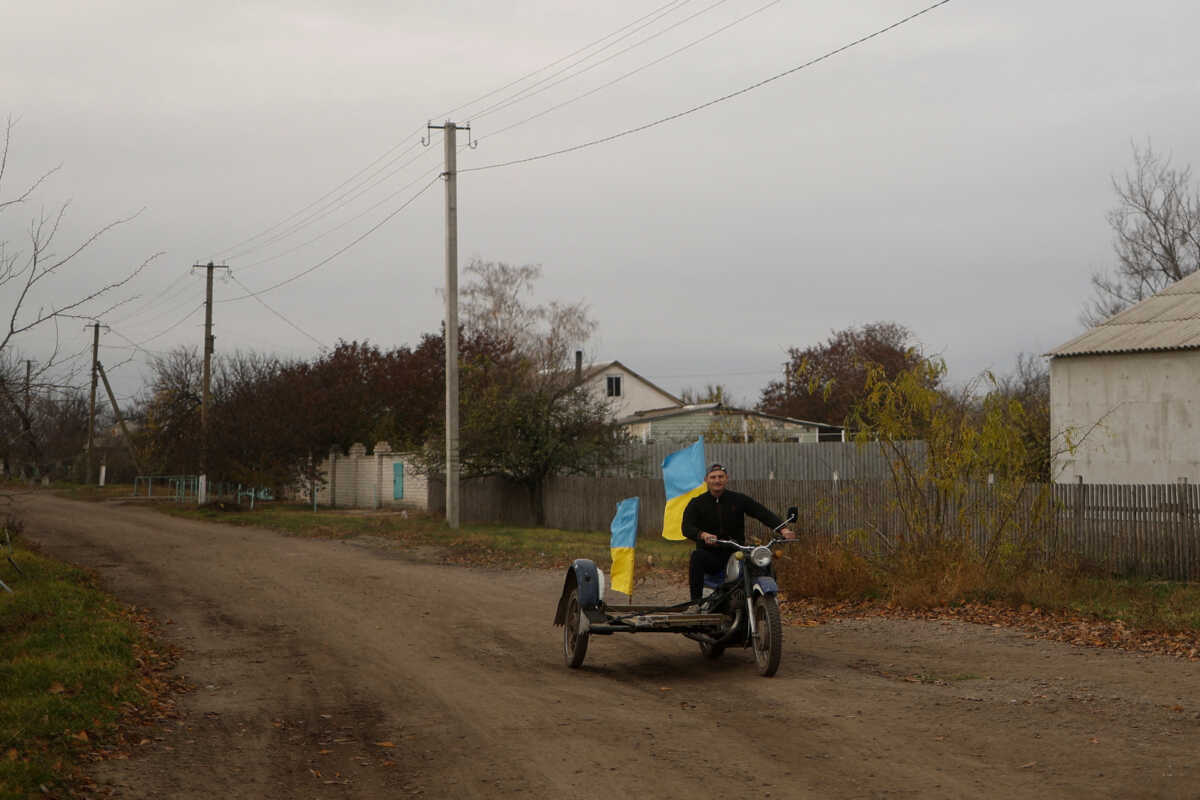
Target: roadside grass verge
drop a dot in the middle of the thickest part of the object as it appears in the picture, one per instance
(496, 545)
(68, 670)
(834, 573)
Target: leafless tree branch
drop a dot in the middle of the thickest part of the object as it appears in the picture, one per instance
(1156, 227)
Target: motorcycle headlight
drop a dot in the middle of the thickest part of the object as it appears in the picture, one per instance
(761, 556)
(733, 567)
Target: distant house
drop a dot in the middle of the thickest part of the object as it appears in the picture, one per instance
(650, 414)
(1132, 385)
(627, 391)
(718, 422)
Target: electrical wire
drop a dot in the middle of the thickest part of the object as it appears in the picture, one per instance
(337, 253)
(346, 222)
(263, 303)
(555, 63)
(165, 331)
(702, 106)
(132, 345)
(335, 203)
(632, 72)
(528, 92)
(152, 300)
(388, 156)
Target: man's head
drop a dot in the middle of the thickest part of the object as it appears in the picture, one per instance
(716, 478)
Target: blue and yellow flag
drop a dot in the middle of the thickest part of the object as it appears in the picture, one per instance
(683, 476)
(624, 535)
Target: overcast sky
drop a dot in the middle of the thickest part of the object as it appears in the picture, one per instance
(951, 175)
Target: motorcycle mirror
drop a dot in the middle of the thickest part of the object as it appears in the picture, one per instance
(793, 514)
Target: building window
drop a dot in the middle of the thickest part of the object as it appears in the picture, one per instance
(614, 385)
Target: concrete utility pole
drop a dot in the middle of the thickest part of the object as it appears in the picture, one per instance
(202, 487)
(449, 129)
(27, 422)
(95, 326)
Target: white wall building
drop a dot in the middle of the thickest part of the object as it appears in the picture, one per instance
(628, 392)
(1131, 387)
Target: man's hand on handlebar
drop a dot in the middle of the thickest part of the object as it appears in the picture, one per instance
(708, 538)
(788, 533)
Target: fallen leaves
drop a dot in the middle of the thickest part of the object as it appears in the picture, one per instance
(1072, 628)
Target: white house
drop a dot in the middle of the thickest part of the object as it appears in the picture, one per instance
(628, 392)
(1131, 387)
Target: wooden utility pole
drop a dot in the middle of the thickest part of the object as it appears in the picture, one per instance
(202, 487)
(112, 398)
(27, 422)
(91, 440)
(449, 129)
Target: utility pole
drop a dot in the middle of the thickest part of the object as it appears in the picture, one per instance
(112, 398)
(91, 440)
(202, 485)
(449, 129)
(27, 422)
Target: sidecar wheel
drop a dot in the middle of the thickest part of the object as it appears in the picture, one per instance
(768, 639)
(712, 651)
(575, 641)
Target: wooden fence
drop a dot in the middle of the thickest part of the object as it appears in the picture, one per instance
(1147, 529)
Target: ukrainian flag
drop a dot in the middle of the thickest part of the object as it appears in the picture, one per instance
(683, 475)
(624, 535)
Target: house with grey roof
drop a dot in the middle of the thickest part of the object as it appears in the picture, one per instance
(651, 414)
(717, 422)
(1131, 389)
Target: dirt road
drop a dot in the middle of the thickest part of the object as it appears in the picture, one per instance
(349, 669)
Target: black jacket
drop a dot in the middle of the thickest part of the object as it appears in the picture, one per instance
(724, 516)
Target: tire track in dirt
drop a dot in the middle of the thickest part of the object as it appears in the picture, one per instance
(332, 669)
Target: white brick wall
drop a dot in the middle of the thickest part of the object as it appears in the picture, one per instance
(359, 479)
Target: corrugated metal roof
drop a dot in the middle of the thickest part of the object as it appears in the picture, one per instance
(1170, 320)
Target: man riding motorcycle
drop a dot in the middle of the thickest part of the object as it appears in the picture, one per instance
(720, 513)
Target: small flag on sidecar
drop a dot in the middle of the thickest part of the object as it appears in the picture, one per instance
(624, 536)
(683, 479)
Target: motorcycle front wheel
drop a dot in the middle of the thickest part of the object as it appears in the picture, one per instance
(768, 635)
(575, 641)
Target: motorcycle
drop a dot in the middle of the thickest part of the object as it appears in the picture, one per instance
(741, 610)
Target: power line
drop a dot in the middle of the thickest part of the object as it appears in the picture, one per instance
(344, 223)
(723, 98)
(632, 72)
(336, 203)
(337, 253)
(165, 331)
(263, 303)
(152, 300)
(568, 56)
(168, 311)
(388, 154)
(527, 92)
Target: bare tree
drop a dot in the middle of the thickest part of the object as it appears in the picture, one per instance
(1156, 227)
(524, 417)
(711, 393)
(26, 272)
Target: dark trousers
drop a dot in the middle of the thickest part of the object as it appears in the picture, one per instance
(704, 561)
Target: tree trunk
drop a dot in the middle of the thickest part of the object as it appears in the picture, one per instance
(537, 500)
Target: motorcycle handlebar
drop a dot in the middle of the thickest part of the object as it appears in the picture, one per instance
(748, 547)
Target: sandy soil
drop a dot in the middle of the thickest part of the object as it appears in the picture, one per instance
(351, 669)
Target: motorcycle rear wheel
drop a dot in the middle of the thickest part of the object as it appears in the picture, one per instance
(575, 641)
(768, 636)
